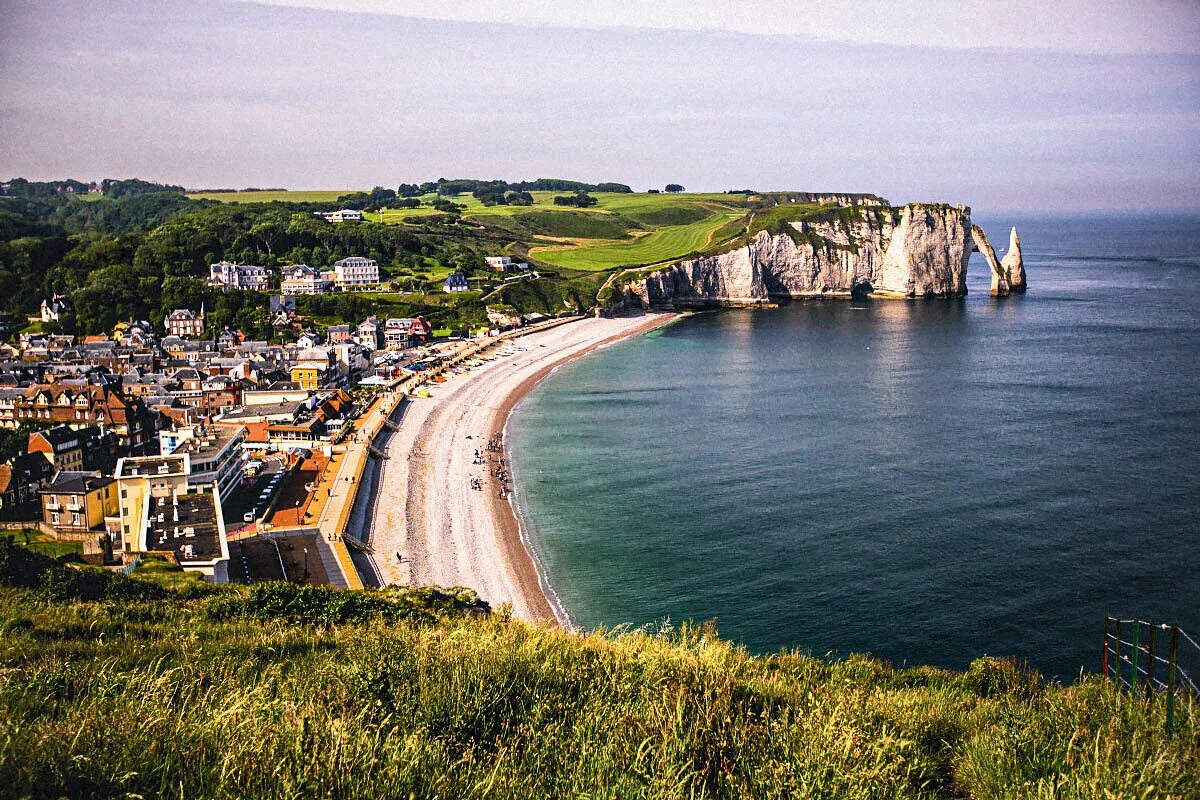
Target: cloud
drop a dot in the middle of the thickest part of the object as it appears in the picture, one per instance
(233, 94)
(1077, 26)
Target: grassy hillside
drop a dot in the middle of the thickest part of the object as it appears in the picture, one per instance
(621, 230)
(286, 691)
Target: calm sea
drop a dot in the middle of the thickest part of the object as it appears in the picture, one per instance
(925, 481)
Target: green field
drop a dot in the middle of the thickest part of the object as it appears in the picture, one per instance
(304, 196)
(658, 244)
(621, 230)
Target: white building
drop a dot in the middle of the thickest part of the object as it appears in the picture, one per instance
(215, 454)
(345, 215)
(302, 279)
(355, 272)
(505, 264)
(160, 511)
(228, 276)
(456, 282)
(53, 308)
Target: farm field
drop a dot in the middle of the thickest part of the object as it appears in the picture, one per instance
(300, 196)
(661, 244)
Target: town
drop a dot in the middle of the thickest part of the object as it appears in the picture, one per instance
(219, 454)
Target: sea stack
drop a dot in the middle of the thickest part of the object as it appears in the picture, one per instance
(1013, 264)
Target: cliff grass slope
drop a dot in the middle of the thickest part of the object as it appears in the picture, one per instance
(283, 691)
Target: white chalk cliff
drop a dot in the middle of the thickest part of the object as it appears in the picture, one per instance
(918, 250)
(1014, 264)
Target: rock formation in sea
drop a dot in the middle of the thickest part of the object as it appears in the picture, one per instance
(1014, 264)
(999, 276)
(917, 250)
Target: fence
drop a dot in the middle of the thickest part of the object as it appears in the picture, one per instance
(1135, 663)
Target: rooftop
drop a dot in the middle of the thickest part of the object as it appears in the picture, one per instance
(208, 442)
(150, 466)
(76, 482)
(286, 408)
(187, 525)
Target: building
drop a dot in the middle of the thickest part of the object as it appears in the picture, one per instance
(215, 454)
(303, 279)
(355, 273)
(138, 479)
(369, 333)
(53, 308)
(183, 322)
(505, 264)
(79, 406)
(315, 421)
(77, 501)
(161, 512)
(314, 369)
(344, 215)
(399, 334)
(337, 334)
(282, 305)
(456, 282)
(74, 449)
(228, 275)
(190, 528)
(20, 481)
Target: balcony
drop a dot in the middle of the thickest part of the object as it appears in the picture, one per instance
(53, 507)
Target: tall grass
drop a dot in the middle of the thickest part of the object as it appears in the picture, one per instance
(182, 698)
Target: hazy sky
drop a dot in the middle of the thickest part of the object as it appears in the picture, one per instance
(1004, 106)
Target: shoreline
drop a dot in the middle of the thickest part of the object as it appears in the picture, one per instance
(424, 518)
(516, 549)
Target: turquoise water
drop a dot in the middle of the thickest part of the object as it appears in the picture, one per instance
(925, 481)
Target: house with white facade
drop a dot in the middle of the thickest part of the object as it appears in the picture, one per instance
(185, 322)
(354, 273)
(229, 275)
(402, 333)
(344, 215)
(53, 308)
(505, 264)
(303, 279)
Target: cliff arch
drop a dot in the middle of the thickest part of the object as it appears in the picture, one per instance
(1000, 285)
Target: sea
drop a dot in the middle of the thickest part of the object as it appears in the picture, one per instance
(926, 481)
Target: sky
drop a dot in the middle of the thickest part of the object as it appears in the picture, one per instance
(1014, 106)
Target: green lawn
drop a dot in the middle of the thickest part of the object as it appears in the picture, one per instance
(31, 540)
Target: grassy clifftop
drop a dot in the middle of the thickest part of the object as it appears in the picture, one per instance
(199, 692)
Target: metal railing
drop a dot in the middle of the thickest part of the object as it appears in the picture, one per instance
(1132, 659)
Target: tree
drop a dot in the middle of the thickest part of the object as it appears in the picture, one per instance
(580, 200)
(673, 187)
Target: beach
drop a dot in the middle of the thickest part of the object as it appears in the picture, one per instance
(440, 513)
